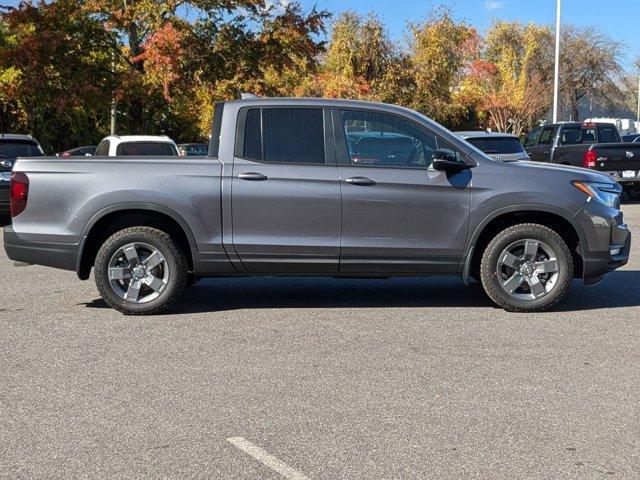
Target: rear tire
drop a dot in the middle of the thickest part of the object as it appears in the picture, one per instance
(140, 271)
(527, 268)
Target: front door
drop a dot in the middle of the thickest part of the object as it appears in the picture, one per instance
(541, 150)
(285, 192)
(398, 215)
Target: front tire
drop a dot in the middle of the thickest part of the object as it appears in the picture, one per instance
(527, 268)
(140, 271)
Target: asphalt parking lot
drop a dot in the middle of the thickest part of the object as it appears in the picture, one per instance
(319, 379)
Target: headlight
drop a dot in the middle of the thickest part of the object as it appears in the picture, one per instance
(605, 193)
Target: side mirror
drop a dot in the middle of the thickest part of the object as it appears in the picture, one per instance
(445, 160)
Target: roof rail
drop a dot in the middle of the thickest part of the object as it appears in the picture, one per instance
(246, 95)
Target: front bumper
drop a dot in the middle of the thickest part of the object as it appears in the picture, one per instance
(607, 244)
(56, 255)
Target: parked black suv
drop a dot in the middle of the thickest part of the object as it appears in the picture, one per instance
(11, 147)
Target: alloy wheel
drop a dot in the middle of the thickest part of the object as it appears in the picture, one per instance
(138, 272)
(527, 269)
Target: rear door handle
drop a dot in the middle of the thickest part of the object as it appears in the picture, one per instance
(364, 181)
(253, 176)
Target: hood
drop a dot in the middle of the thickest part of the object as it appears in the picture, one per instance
(578, 173)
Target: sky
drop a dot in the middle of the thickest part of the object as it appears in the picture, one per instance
(619, 19)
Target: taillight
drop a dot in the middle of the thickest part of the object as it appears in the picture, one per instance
(19, 193)
(589, 158)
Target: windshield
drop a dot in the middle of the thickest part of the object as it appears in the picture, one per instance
(13, 148)
(494, 145)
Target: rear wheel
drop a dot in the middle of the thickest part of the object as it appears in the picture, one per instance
(527, 268)
(140, 270)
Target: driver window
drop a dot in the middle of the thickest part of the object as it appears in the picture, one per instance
(382, 140)
(532, 138)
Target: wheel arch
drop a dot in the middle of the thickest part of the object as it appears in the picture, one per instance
(117, 217)
(552, 217)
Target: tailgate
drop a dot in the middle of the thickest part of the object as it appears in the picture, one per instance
(618, 157)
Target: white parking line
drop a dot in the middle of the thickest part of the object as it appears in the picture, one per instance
(266, 458)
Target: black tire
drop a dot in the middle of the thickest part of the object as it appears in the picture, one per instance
(175, 261)
(489, 268)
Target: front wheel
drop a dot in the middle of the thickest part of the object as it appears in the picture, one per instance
(526, 268)
(140, 270)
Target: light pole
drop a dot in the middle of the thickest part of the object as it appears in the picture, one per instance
(113, 113)
(556, 73)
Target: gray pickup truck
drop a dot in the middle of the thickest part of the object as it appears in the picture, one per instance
(590, 145)
(317, 187)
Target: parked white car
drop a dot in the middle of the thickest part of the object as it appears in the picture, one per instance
(136, 145)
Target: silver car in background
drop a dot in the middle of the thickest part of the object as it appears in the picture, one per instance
(503, 147)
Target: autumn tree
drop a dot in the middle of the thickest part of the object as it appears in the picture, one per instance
(55, 73)
(358, 56)
(510, 82)
(441, 49)
(224, 46)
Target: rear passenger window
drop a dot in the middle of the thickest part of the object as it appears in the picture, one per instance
(284, 135)
(253, 135)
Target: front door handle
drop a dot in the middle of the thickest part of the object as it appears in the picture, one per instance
(364, 181)
(253, 176)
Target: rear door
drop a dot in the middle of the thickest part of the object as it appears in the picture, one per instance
(285, 195)
(398, 215)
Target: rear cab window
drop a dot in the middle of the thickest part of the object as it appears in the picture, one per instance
(161, 149)
(495, 145)
(290, 135)
(588, 133)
